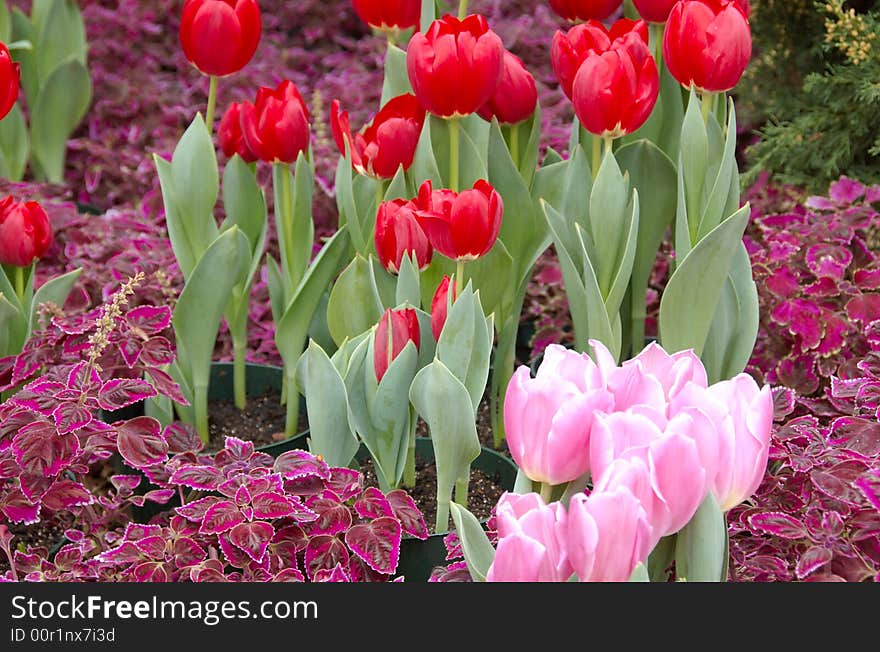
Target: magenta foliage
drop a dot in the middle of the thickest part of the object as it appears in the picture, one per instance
(245, 517)
(816, 515)
(71, 375)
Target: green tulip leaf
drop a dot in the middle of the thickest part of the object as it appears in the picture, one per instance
(354, 304)
(478, 551)
(701, 546)
(689, 301)
(61, 38)
(327, 406)
(14, 144)
(396, 80)
(60, 106)
(54, 291)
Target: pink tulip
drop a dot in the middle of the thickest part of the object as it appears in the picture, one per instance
(745, 439)
(548, 419)
(671, 459)
(608, 535)
(654, 377)
(531, 541)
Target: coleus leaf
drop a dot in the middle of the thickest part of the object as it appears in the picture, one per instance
(198, 477)
(324, 552)
(84, 378)
(153, 547)
(125, 483)
(778, 524)
(125, 553)
(345, 483)
(19, 509)
(271, 504)
(150, 571)
(298, 464)
(252, 538)
(335, 574)
(156, 352)
(159, 496)
(182, 438)
(377, 543)
(39, 449)
(121, 392)
(292, 534)
(196, 510)
(140, 442)
(34, 485)
(333, 516)
(869, 485)
(166, 386)
(238, 449)
(372, 504)
(66, 494)
(221, 517)
(834, 487)
(186, 552)
(234, 555)
(129, 349)
(149, 319)
(70, 416)
(411, 518)
(137, 531)
(811, 561)
(289, 575)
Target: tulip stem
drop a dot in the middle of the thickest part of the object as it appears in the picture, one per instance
(514, 145)
(409, 470)
(656, 38)
(706, 105)
(453, 154)
(239, 371)
(292, 421)
(461, 489)
(609, 143)
(212, 103)
(462, 9)
(597, 156)
(459, 276)
(546, 492)
(201, 412)
(19, 283)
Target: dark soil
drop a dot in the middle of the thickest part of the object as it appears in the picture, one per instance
(46, 535)
(262, 421)
(483, 492)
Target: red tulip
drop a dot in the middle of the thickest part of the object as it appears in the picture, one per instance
(389, 15)
(614, 92)
(231, 137)
(707, 43)
(455, 66)
(276, 126)
(585, 9)
(440, 305)
(396, 328)
(461, 226)
(569, 49)
(219, 37)
(398, 233)
(516, 96)
(25, 233)
(389, 142)
(657, 11)
(10, 75)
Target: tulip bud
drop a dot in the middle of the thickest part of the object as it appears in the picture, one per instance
(569, 49)
(9, 79)
(440, 305)
(607, 535)
(745, 439)
(455, 66)
(585, 9)
(516, 97)
(389, 15)
(398, 233)
(614, 92)
(654, 11)
(389, 142)
(461, 226)
(548, 418)
(276, 125)
(219, 37)
(25, 232)
(707, 43)
(395, 329)
(531, 541)
(231, 137)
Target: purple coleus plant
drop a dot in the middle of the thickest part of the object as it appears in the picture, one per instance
(63, 386)
(242, 516)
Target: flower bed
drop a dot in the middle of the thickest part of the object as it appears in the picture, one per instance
(385, 299)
